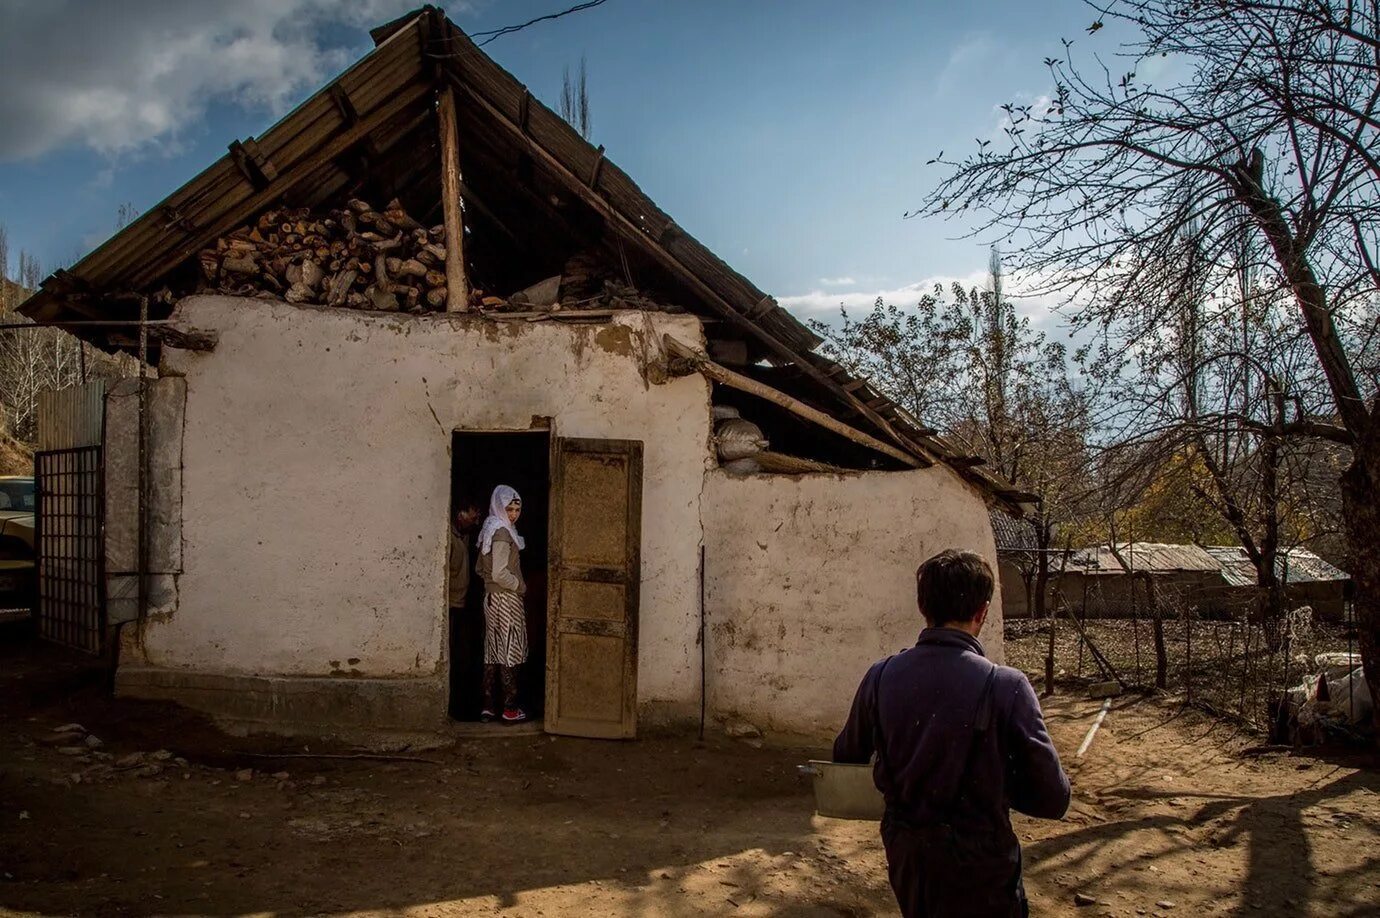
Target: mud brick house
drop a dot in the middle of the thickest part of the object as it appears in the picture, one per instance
(333, 371)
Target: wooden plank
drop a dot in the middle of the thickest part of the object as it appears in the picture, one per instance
(751, 386)
(252, 163)
(457, 293)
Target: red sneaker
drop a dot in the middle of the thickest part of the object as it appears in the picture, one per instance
(514, 715)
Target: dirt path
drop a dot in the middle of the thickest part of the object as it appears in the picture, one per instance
(1165, 812)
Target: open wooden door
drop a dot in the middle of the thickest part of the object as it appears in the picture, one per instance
(595, 574)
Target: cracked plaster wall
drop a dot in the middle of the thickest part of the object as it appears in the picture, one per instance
(811, 579)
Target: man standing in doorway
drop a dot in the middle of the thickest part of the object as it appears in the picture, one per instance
(959, 742)
(462, 526)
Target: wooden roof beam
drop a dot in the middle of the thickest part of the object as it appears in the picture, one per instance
(457, 286)
(727, 377)
(252, 163)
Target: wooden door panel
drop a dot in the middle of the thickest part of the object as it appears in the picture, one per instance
(592, 687)
(594, 521)
(592, 600)
(595, 562)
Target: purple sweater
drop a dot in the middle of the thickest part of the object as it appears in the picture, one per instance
(927, 699)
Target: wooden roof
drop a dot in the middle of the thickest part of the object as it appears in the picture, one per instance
(373, 130)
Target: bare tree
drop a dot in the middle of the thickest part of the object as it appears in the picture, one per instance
(575, 100)
(964, 361)
(125, 214)
(4, 268)
(1262, 144)
(33, 359)
(1205, 404)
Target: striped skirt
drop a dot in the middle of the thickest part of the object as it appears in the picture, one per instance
(505, 630)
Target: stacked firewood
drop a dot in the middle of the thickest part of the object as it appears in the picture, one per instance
(356, 256)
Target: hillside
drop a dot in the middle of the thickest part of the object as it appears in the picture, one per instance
(11, 294)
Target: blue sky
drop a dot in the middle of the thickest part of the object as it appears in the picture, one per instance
(789, 137)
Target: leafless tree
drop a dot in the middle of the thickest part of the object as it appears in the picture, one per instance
(5, 305)
(1209, 400)
(1253, 126)
(575, 100)
(125, 214)
(964, 361)
(33, 358)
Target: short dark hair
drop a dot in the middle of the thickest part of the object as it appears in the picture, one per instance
(953, 586)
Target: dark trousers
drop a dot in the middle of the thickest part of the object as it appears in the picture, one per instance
(939, 872)
(493, 675)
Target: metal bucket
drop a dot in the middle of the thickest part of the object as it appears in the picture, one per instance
(844, 791)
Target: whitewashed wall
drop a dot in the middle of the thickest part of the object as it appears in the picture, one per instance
(811, 579)
(317, 481)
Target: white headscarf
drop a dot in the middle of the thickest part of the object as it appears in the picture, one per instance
(498, 519)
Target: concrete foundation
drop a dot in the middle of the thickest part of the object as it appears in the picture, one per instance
(371, 712)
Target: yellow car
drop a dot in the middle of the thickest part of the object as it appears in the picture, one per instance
(17, 570)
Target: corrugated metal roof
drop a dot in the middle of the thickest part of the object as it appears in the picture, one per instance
(1160, 557)
(1296, 565)
(1012, 533)
(385, 103)
(1302, 566)
(1149, 557)
(1095, 560)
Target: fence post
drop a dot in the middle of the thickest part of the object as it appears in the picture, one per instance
(1188, 652)
(1157, 626)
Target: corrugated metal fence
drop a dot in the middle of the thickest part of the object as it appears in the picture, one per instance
(72, 417)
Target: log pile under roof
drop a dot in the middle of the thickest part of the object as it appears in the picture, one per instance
(355, 256)
(360, 257)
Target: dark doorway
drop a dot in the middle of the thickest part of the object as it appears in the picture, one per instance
(480, 461)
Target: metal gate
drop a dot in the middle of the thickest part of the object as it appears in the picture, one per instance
(68, 529)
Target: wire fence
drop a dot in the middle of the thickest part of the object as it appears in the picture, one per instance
(1235, 667)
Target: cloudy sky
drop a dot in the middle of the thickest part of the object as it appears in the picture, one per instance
(788, 135)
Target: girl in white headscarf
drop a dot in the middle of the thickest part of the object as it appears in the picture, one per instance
(505, 619)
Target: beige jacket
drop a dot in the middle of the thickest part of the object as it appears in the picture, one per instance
(501, 568)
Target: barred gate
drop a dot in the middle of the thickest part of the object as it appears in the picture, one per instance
(68, 535)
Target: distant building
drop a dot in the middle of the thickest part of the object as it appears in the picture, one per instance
(1107, 581)
(1308, 580)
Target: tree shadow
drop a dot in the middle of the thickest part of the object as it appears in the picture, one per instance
(1280, 868)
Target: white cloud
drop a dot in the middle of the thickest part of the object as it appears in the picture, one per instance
(969, 56)
(1040, 308)
(837, 281)
(128, 76)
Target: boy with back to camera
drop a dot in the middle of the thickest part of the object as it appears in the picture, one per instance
(960, 742)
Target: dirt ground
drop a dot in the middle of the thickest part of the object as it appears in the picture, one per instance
(1169, 818)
